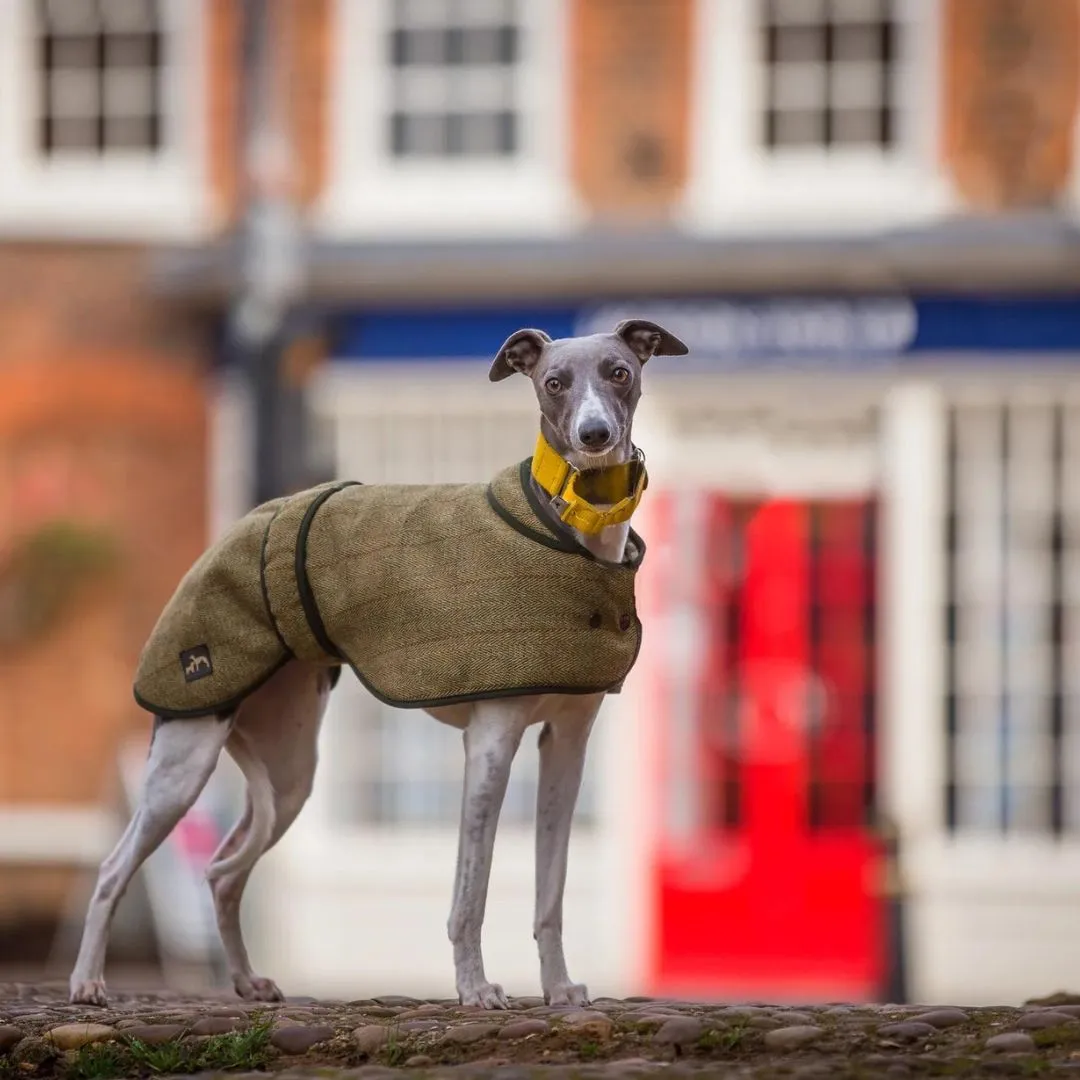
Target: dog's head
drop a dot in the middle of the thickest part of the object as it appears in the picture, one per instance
(588, 387)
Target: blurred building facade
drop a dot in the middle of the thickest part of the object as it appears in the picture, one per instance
(862, 587)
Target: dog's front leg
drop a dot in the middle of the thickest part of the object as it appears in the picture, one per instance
(562, 761)
(491, 740)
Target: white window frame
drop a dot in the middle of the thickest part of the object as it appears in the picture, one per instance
(739, 184)
(163, 196)
(371, 193)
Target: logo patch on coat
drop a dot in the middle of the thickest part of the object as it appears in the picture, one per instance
(196, 663)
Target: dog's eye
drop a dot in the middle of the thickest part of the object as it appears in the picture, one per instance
(620, 375)
(552, 385)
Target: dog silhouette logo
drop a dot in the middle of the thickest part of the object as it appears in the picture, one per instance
(196, 663)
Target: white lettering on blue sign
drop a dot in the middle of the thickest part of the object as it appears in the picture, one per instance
(731, 331)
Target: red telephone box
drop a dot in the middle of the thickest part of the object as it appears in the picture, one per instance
(763, 688)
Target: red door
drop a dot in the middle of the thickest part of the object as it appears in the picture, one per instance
(763, 683)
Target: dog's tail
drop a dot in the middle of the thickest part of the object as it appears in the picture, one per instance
(261, 829)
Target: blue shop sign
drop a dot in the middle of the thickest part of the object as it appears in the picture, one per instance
(733, 332)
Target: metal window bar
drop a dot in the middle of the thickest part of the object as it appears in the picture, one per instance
(100, 75)
(1070, 616)
(951, 622)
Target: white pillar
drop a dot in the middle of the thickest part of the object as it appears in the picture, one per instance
(911, 744)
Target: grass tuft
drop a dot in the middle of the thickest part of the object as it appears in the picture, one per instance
(248, 1050)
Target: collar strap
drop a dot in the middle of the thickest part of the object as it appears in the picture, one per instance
(620, 485)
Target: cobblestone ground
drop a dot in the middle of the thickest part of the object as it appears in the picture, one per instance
(168, 1034)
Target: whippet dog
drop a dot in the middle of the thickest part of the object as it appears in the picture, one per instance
(587, 389)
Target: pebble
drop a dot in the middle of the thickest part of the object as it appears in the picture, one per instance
(589, 1022)
(417, 1027)
(794, 1016)
(764, 1023)
(470, 1033)
(679, 1031)
(942, 1018)
(153, 1034)
(1068, 1010)
(370, 1037)
(1046, 1018)
(9, 1036)
(647, 1021)
(420, 1012)
(907, 1030)
(520, 1029)
(791, 1038)
(216, 1025)
(419, 1061)
(299, 1040)
(72, 1036)
(1011, 1042)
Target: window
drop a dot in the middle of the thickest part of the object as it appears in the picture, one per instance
(102, 118)
(455, 78)
(449, 117)
(1012, 618)
(817, 112)
(831, 73)
(101, 75)
(399, 768)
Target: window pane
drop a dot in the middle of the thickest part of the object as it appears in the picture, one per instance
(101, 75)
(830, 70)
(1010, 743)
(454, 79)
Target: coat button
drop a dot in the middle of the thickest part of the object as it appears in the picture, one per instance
(595, 619)
(624, 622)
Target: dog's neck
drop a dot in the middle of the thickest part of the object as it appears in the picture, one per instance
(610, 543)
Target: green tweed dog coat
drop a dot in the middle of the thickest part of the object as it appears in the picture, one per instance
(432, 594)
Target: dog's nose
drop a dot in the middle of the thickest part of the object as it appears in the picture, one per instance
(594, 433)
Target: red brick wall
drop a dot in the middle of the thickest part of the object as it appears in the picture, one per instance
(1010, 97)
(102, 406)
(630, 80)
(222, 51)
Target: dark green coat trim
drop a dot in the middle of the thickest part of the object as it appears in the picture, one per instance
(222, 711)
(303, 583)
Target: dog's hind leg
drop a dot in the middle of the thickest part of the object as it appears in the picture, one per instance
(274, 742)
(182, 757)
(491, 740)
(563, 740)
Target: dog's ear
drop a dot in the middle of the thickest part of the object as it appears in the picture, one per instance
(519, 352)
(648, 339)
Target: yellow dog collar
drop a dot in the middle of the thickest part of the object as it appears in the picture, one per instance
(619, 485)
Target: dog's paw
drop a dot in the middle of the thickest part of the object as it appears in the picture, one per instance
(567, 994)
(255, 988)
(88, 992)
(484, 995)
